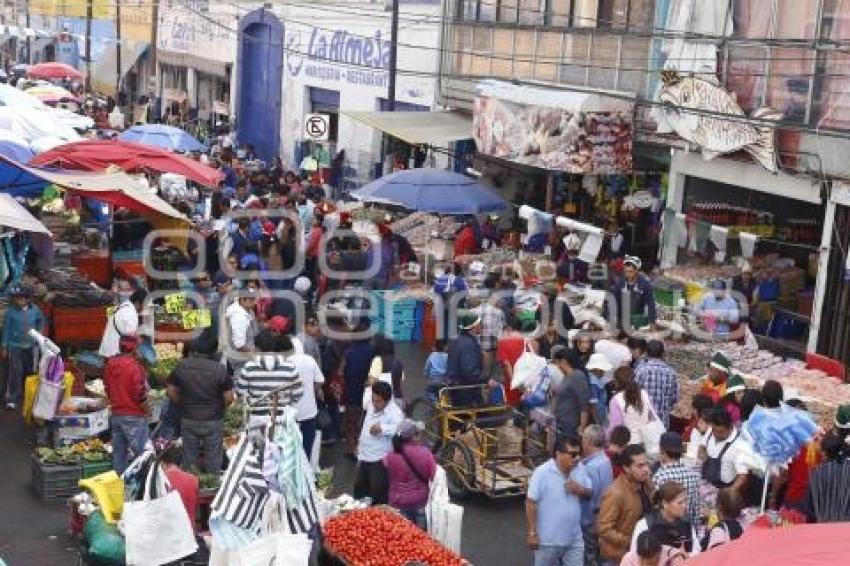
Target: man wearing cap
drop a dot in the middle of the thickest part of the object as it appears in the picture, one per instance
(635, 296)
(465, 363)
(570, 267)
(717, 310)
(672, 469)
(126, 383)
(18, 347)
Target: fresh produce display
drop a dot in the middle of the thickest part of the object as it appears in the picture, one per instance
(234, 419)
(381, 537)
(209, 481)
(419, 226)
(324, 480)
(92, 450)
(160, 371)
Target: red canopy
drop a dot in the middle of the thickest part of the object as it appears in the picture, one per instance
(97, 155)
(53, 71)
(801, 545)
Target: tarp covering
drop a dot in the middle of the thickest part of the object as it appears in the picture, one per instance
(97, 155)
(118, 189)
(13, 215)
(418, 127)
(32, 124)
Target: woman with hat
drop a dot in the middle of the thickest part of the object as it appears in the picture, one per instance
(410, 468)
(18, 347)
(714, 383)
(635, 296)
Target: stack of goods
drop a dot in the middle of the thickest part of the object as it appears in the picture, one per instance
(737, 218)
(398, 315)
(55, 472)
(67, 288)
(418, 227)
(382, 537)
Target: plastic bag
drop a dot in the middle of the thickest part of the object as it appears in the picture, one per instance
(158, 530)
(105, 543)
(444, 518)
(47, 399)
(527, 369)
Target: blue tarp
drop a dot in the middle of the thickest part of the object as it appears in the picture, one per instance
(19, 182)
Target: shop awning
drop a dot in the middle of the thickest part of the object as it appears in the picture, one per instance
(418, 127)
(15, 216)
(200, 64)
(104, 70)
(114, 188)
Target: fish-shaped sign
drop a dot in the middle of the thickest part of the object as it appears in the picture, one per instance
(705, 114)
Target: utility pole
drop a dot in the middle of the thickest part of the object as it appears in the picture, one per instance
(29, 40)
(88, 44)
(393, 57)
(117, 48)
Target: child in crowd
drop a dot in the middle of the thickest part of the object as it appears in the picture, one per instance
(436, 369)
(620, 437)
(728, 527)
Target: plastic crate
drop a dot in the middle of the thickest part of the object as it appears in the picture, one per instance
(668, 297)
(79, 324)
(55, 483)
(91, 469)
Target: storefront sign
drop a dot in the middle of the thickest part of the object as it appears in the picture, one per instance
(705, 114)
(338, 56)
(558, 130)
(182, 31)
(67, 50)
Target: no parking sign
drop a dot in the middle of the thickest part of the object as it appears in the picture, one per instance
(317, 126)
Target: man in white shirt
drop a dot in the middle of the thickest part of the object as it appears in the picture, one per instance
(242, 329)
(311, 377)
(122, 321)
(727, 456)
(382, 420)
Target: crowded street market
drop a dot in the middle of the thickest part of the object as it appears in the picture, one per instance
(539, 321)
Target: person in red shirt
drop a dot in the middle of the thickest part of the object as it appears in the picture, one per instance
(509, 348)
(182, 482)
(126, 384)
(465, 241)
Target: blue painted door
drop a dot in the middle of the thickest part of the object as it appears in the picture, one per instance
(260, 69)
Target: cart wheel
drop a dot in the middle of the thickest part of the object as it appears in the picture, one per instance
(456, 458)
(424, 411)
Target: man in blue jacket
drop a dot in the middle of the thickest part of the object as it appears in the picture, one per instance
(635, 297)
(18, 347)
(465, 365)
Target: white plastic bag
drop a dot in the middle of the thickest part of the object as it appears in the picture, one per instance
(47, 399)
(158, 530)
(444, 518)
(527, 369)
(651, 433)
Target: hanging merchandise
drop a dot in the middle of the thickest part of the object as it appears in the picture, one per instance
(748, 244)
(719, 236)
(591, 247)
(699, 234)
(244, 492)
(590, 184)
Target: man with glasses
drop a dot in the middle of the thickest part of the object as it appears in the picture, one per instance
(553, 506)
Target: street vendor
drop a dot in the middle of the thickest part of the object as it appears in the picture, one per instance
(465, 241)
(123, 320)
(570, 267)
(714, 383)
(491, 234)
(635, 296)
(717, 310)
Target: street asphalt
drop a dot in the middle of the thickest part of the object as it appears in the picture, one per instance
(33, 533)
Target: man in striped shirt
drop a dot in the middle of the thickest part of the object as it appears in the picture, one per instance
(270, 371)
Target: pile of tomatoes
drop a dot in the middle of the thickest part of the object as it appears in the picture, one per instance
(380, 537)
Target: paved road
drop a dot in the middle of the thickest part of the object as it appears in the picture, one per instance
(35, 534)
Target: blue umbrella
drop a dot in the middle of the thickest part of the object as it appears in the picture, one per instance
(165, 137)
(432, 190)
(15, 148)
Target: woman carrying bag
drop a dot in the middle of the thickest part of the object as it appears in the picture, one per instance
(410, 468)
(632, 408)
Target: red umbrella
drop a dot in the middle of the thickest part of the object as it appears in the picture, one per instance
(97, 155)
(801, 545)
(53, 71)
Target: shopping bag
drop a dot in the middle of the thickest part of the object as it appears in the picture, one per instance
(527, 369)
(445, 523)
(47, 399)
(651, 433)
(157, 530)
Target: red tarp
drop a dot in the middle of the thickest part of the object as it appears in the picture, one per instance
(97, 155)
(53, 71)
(801, 545)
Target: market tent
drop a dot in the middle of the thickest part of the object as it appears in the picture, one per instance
(116, 188)
(32, 124)
(802, 545)
(15, 147)
(164, 136)
(13, 215)
(418, 127)
(12, 97)
(432, 190)
(97, 155)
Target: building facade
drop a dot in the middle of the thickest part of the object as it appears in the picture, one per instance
(779, 58)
